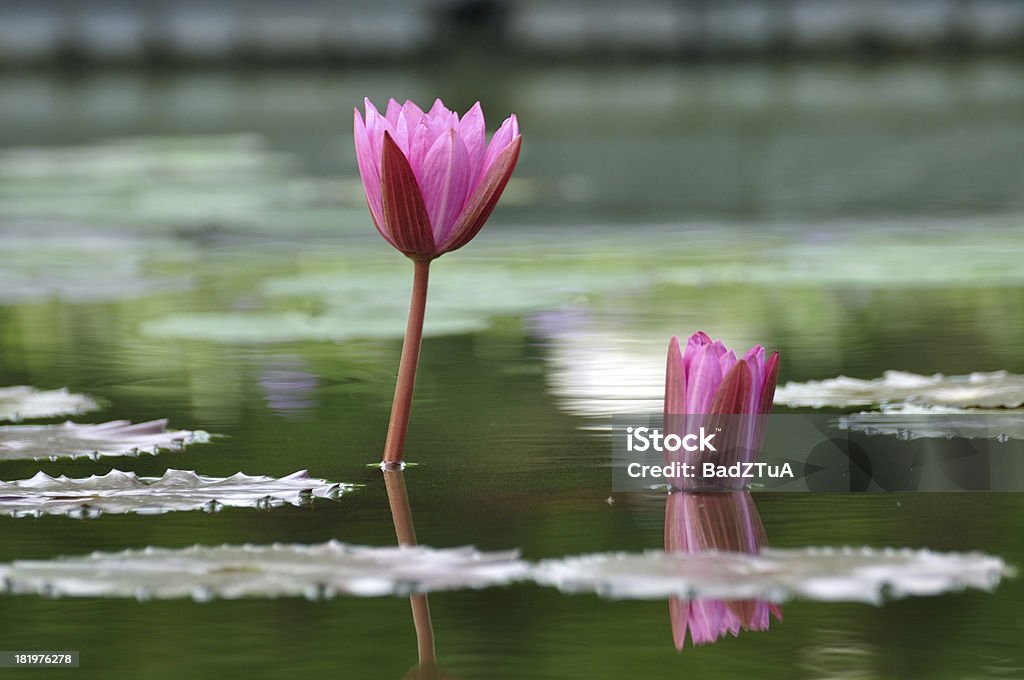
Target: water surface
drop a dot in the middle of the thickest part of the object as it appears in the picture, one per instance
(854, 219)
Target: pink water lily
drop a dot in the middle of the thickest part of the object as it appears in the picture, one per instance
(431, 179)
(707, 385)
(723, 522)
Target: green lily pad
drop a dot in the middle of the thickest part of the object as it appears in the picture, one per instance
(330, 569)
(72, 440)
(279, 327)
(80, 265)
(232, 181)
(269, 571)
(822, 574)
(372, 302)
(997, 389)
(177, 490)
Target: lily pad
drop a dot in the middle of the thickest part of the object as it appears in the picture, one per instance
(822, 574)
(22, 402)
(330, 569)
(124, 492)
(876, 255)
(278, 327)
(73, 262)
(371, 301)
(229, 572)
(72, 440)
(157, 182)
(998, 389)
(909, 421)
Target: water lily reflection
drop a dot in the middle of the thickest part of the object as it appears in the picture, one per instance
(724, 522)
(288, 386)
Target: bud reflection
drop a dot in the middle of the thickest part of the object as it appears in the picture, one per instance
(724, 522)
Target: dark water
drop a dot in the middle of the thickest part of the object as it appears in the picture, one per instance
(897, 188)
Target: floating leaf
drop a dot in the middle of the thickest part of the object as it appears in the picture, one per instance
(371, 301)
(908, 421)
(329, 569)
(316, 571)
(823, 574)
(22, 402)
(998, 389)
(876, 255)
(122, 492)
(181, 180)
(44, 260)
(72, 440)
(275, 327)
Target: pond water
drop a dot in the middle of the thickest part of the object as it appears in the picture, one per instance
(195, 247)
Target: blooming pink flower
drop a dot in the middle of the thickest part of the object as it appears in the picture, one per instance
(707, 385)
(431, 179)
(727, 522)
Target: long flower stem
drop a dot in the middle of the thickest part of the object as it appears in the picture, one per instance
(394, 446)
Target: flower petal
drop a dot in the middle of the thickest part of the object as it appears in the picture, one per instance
(419, 144)
(755, 361)
(368, 105)
(502, 139)
(771, 378)
(473, 132)
(726, 359)
(405, 214)
(703, 377)
(392, 112)
(404, 120)
(376, 126)
(369, 171)
(439, 110)
(675, 380)
(736, 435)
(444, 180)
(483, 199)
(732, 394)
(412, 113)
(698, 339)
